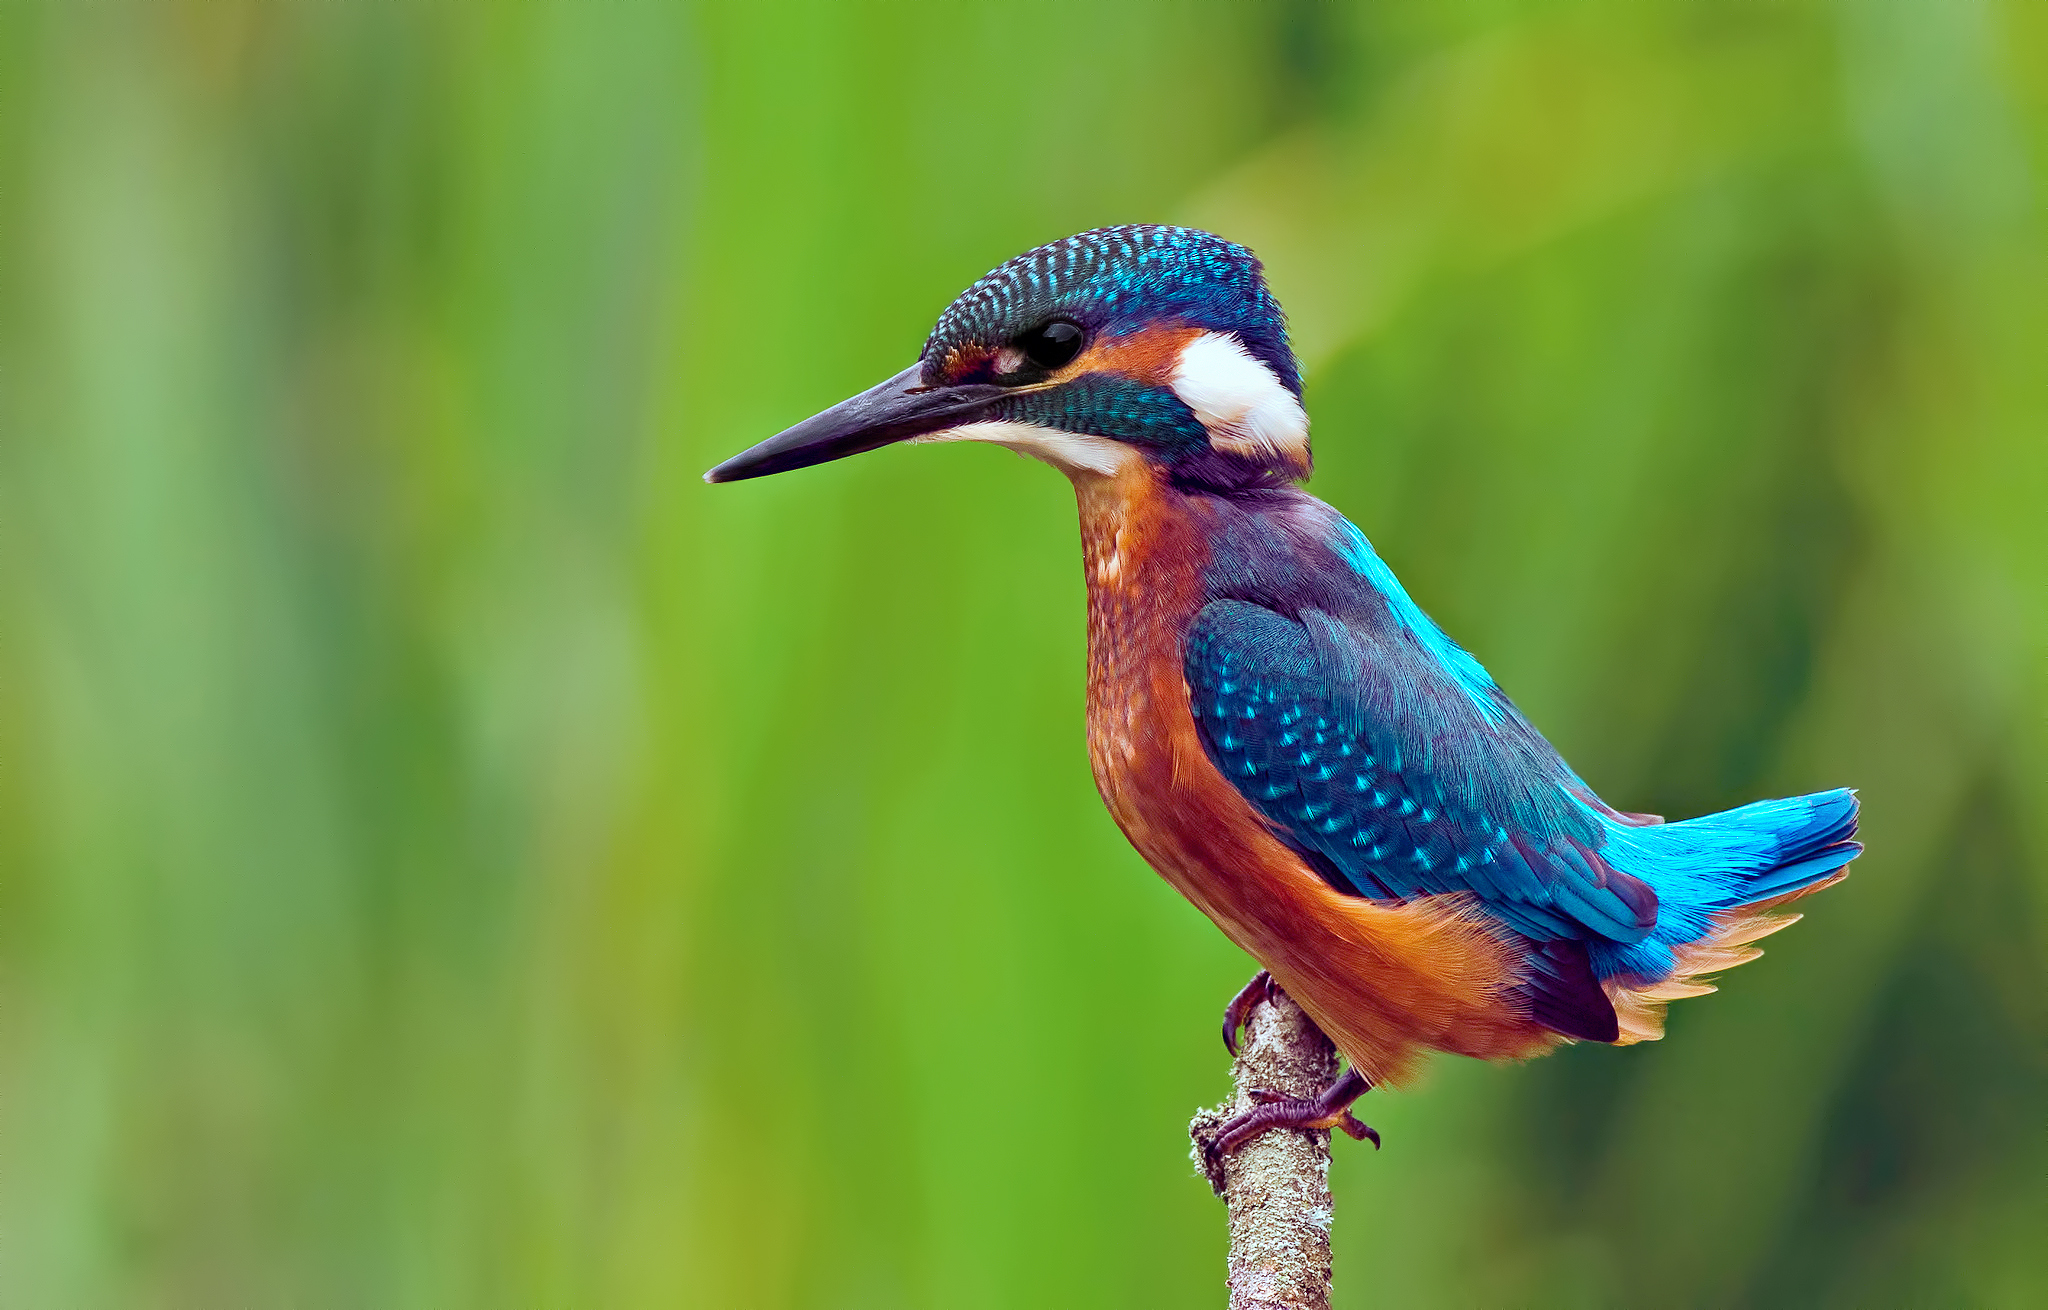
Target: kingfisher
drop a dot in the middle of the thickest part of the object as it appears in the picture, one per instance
(1278, 728)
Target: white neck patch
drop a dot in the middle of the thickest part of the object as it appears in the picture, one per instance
(1243, 405)
(1072, 453)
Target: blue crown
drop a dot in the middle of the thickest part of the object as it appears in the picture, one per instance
(1115, 280)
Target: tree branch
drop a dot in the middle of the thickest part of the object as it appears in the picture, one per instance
(1277, 1186)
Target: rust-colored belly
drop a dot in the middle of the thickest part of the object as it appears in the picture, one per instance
(1385, 981)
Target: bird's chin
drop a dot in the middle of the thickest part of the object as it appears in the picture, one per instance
(1076, 454)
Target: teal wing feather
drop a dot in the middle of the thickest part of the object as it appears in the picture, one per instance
(1392, 784)
(1365, 756)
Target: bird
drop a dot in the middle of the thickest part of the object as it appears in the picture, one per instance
(1278, 728)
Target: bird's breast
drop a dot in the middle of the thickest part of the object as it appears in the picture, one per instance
(1383, 980)
(1145, 549)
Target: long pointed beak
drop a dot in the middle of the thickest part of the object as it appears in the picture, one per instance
(897, 409)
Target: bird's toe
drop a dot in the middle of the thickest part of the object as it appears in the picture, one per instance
(1239, 1011)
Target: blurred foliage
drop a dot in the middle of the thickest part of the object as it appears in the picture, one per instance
(450, 856)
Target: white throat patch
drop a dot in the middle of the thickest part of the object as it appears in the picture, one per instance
(1243, 405)
(1071, 453)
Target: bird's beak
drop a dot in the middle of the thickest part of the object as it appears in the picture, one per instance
(900, 408)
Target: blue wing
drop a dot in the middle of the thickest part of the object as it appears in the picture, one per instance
(1372, 759)
(1364, 754)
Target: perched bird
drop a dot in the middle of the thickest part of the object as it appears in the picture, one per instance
(1277, 727)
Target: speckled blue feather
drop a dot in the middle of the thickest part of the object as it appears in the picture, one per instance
(1123, 279)
(1387, 756)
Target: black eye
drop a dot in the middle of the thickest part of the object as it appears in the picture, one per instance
(1051, 345)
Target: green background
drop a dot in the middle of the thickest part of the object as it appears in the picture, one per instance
(451, 856)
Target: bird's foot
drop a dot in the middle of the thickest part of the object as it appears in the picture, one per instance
(1239, 1011)
(1332, 1109)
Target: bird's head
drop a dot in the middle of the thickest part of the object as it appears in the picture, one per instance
(1143, 343)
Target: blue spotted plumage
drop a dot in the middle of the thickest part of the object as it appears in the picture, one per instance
(1127, 278)
(1279, 729)
(1389, 758)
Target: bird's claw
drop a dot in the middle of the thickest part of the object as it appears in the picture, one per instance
(1290, 1112)
(1346, 1122)
(1239, 1012)
(1358, 1130)
(1331, 1110)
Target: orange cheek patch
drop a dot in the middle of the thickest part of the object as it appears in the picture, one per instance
(1149, 356)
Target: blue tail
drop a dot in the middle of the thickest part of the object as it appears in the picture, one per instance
(1699, 867)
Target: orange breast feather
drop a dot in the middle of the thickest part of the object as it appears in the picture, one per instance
(1385, 981)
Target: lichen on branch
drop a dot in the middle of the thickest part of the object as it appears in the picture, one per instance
(1276, 1186)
